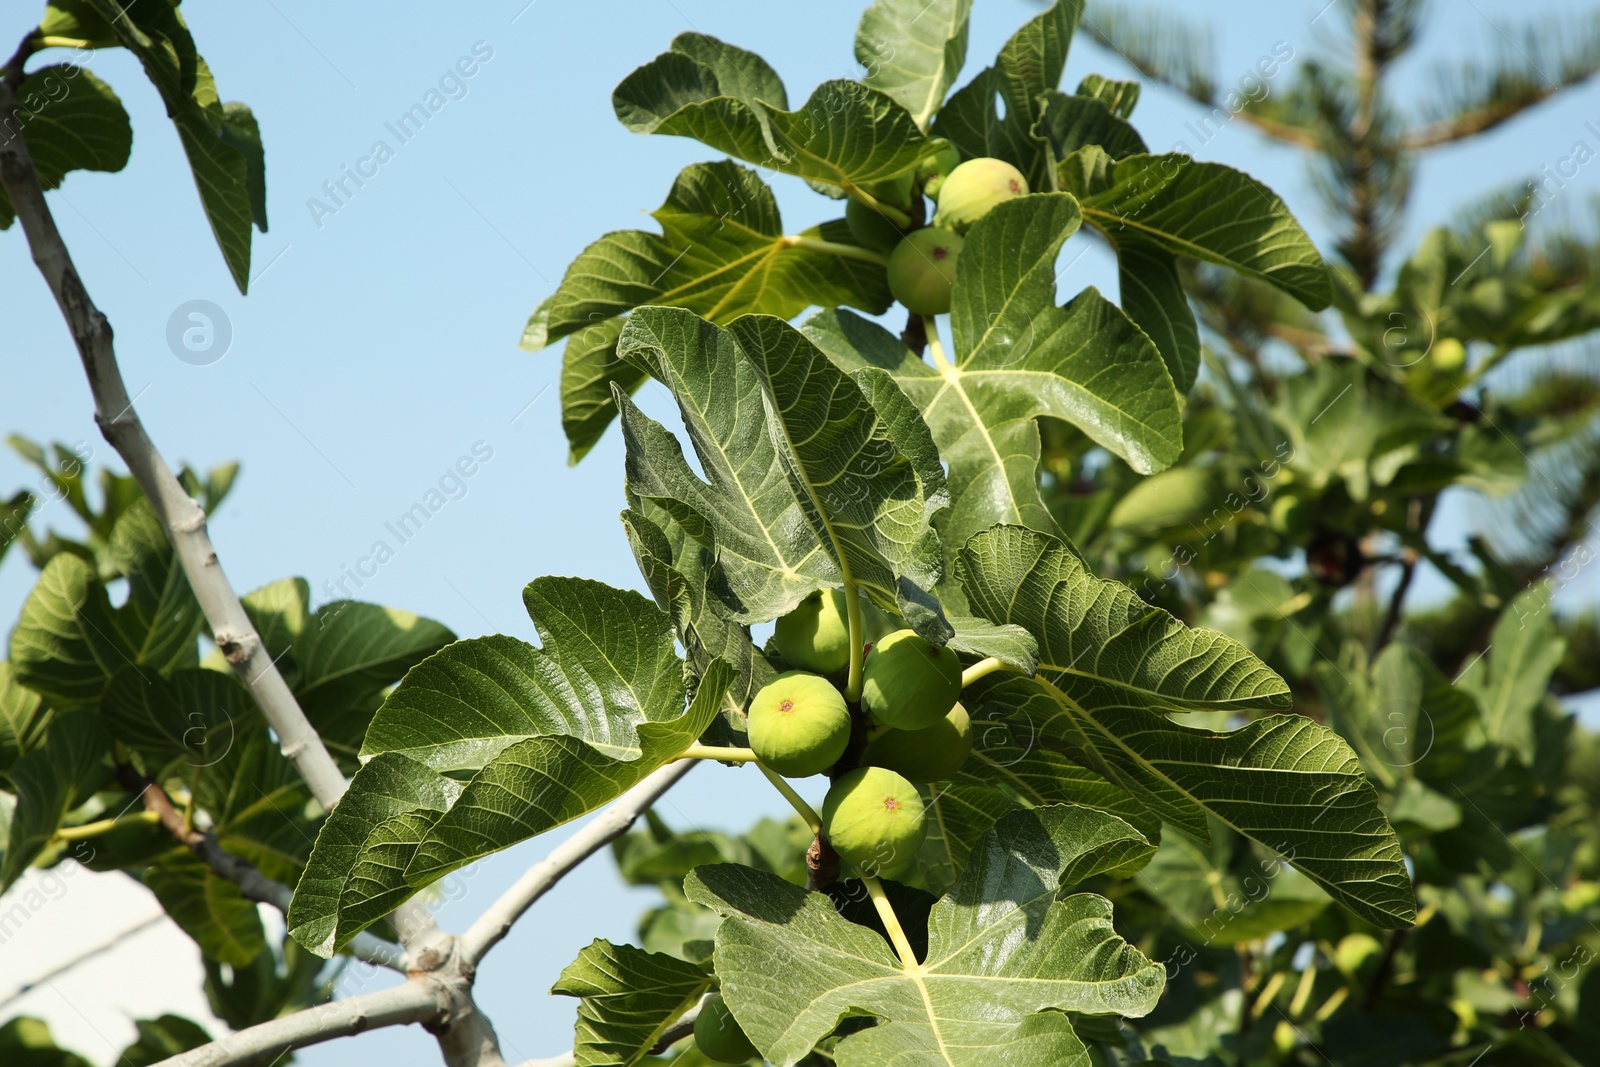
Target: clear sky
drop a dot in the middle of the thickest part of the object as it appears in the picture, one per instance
(378, 345)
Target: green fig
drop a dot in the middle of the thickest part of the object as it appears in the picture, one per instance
(798, 724)
(921, 756)
(935, 168)
(973, 188)
(815, 636)
(922, 270)
(718, 1034)
(909, 683)
(874, 819)
(871, 227)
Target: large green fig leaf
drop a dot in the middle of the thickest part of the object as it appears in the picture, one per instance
(1013, 765)
(50, 781)
(222, 141)
(1154, 208)
(70, 640)
(1224, 892)
(1008, 951)
(531, 738)
(722, 253)
(913, 50)
(72, 121)
(27, 1042)
(995, 113)
(193, 714)
(678, 570)
(1111, 667)
(23, 718)
(340, 659)
(845, 136)
(629, 997)
(1019, 356)
(210, 909)
(807, 483)
(1511, 678)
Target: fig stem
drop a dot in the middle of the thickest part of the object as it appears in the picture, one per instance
(95, 829)
(891, 923)
(834, 248)
(888, 211)
(798, 802)
(935, 346)
(719, 753)
(983, 668)
(852, 610)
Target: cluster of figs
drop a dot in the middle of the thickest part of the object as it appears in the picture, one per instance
(914, 732)
(922, 262)
(914, 729)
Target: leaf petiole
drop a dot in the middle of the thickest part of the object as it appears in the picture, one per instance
(852, 610)
(721, 754)
(982, 669)
(817, 244)
(930, 326)
(891, 923)
(798, 802)
(95, 829)
(888, 211)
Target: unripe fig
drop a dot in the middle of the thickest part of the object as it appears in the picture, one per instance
(922, 756)
(874, 819)
(1449, 355)
(871, 227)
(895, 191)
(815, 636)
(922, 270)
(909, 683)
(798, 724)
(718, 1035)
(973, 188)
(935, 168)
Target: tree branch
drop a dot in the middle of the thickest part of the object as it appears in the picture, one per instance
(419, 1000)
(181, 517)
(241, 872)
(610, 824)
(183, 520)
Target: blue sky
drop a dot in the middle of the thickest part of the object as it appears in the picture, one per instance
(378, 343)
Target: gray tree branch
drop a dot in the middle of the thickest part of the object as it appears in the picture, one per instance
(419, 1000)
(607, 826)
(181, 517)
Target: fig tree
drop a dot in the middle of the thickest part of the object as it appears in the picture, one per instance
(929, 755)
(922, 270)
(798, 724)
(909, 683)
(973, 188)
(718, 1035)
(815, 636)
(874, 819)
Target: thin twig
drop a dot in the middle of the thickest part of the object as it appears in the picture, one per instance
(241, 872)
(83, 957)
(610, 824)
(419, 1000)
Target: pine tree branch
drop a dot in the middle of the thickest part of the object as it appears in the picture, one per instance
(1470, 123)
(493, 925)
(182, 518)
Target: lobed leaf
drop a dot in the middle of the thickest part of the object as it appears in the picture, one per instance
(1111, 667)
(1004, 945)
(629, 998)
